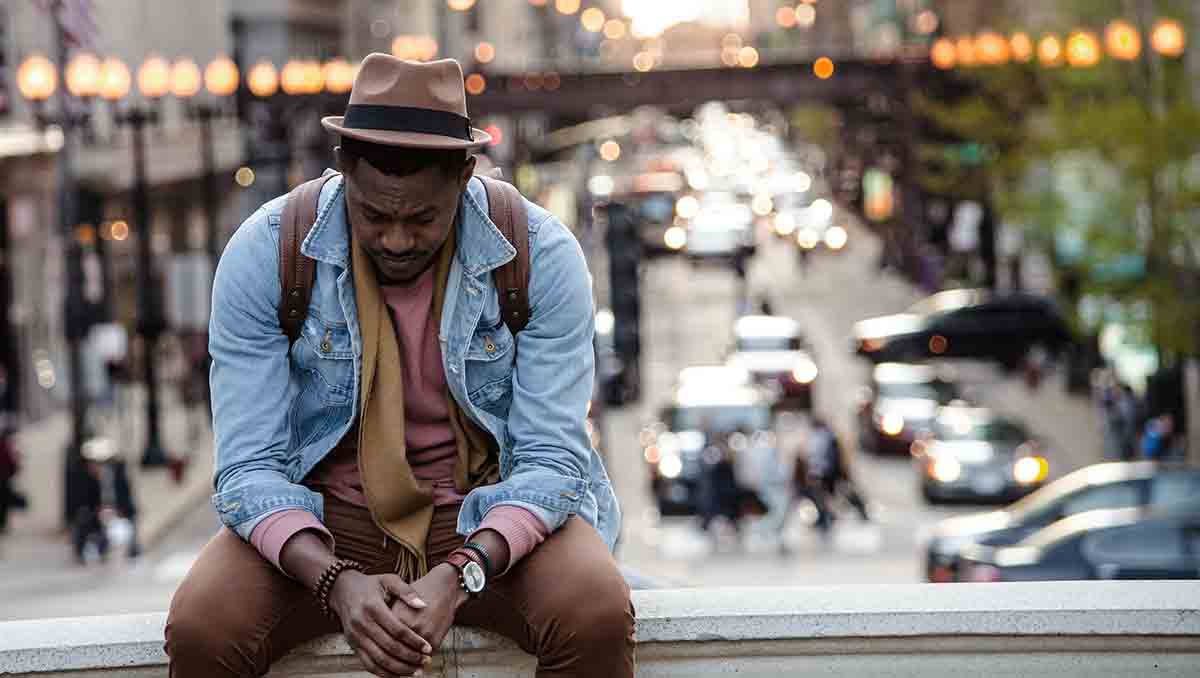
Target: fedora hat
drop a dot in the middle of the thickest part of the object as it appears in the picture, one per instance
(407, 103)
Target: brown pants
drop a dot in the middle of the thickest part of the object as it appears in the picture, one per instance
(566, 602)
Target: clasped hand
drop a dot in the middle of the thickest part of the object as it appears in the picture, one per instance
(393, 626)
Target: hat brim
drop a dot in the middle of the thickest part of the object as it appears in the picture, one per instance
(334, 123)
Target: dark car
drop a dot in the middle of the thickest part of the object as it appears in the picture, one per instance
(701, 410)
(775, 354)
(965, 324)
(972, 454)
(1132, 543)
(899, 405)
(1102, 486)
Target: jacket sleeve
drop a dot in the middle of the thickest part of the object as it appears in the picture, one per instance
(251, 385)
(549, 444)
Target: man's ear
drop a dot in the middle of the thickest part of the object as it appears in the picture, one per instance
(468, 171)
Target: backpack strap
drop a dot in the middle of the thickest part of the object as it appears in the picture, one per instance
(296, 270)
(506, 209)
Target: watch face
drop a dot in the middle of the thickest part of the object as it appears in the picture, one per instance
(473, 577)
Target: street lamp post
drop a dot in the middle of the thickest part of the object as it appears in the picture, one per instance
(38, 80)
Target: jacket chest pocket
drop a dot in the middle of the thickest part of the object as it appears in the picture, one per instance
(323, 357)
(489, 365)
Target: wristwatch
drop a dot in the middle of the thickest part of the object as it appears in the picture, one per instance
(471, 576)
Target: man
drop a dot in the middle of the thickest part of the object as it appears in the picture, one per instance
(826, 465)
(406, 416)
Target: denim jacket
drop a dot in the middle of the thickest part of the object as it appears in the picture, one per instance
(276, 416)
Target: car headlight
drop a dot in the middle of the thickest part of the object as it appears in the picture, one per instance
(891, 424)
(805, 372)
(675, 238)
(836, 237)
(1030, 470)
(807, 238)
(670, 466)
(785, 223)
(945, 469)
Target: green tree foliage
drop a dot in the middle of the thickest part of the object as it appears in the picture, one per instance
(1107, 156)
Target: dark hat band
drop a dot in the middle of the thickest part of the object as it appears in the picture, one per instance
(407, 119)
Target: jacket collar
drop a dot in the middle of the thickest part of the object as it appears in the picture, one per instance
(481, 246)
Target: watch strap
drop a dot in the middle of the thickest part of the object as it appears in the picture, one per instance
(485, 559)
(459, 559)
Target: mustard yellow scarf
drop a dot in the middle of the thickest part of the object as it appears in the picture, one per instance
(400, 504)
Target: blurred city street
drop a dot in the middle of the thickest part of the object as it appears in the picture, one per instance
(885, 291)
(688, 316)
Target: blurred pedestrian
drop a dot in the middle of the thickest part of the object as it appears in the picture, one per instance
(1158, 439)
(1127, 411)
(10, 465)
(720, 489)
(830, 474)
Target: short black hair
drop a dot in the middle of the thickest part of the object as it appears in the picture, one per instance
(402, 162)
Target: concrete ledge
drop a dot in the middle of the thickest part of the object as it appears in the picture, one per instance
(1035, 629)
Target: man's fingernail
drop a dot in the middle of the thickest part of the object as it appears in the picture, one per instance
(417, 602)
(418, 674)
(427, 650)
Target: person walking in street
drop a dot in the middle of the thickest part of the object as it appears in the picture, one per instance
(10, 465)
(829, 473)
(402, 445)
(720, 488)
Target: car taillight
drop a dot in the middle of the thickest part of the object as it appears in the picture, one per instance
(980, 573)
(941, 574)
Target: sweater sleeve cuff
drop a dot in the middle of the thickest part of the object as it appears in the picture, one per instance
(521, 529)
(273, 532)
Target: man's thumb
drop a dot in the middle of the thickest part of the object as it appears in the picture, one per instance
(398, 588)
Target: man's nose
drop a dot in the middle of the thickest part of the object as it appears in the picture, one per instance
(398, 239)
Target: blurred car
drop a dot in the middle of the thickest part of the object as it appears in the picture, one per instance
(654, 196)
(673, 446)
(773, 351)
(714, 376)
(1114, 485)
(965, 323)
(899, 405)
(1131, 543)
(971, 454)
(722, 229)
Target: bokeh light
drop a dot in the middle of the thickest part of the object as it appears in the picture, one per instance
(1050, 50)
(824, 68)
(1168, 38)
(263, 79)
(1122, 40)
(943, 54)
(154, 77)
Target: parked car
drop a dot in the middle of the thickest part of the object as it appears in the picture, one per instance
(673, 445)
(1113, 485)
(965, 324)
(773, 351)
(1131, 543)
(972, 454)
(899, 404)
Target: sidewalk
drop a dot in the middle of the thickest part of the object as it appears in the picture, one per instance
(36, 540)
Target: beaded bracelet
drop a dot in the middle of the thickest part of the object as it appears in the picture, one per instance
(325, 583)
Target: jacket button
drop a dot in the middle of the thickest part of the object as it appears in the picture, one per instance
(293, 313)
(488, 345)
(512, 296)
(295, 294)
